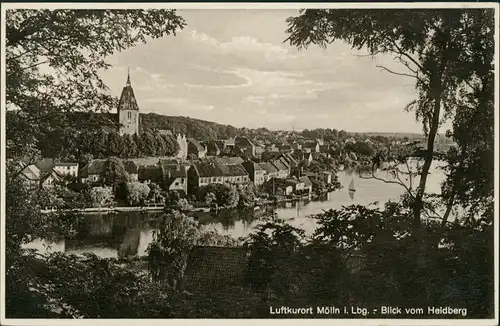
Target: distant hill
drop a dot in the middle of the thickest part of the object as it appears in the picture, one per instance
(410, 135)
(195, 128)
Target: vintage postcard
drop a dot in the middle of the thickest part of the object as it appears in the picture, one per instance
(271, 163)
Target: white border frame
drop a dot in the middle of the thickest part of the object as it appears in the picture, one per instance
(268, 6)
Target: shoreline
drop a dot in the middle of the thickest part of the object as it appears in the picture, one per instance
(160, 208)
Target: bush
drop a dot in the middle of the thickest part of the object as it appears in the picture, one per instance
(137, 193)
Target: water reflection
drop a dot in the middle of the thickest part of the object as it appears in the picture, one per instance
(129, 233)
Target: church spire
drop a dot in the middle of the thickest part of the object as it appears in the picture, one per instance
(128, 78)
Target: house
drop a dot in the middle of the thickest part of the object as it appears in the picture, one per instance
(203, 174)
(285, 158)
(285, 149)
(307, 183)
(283, 170)
(212, 269)
(271, 148)
(325, 176)
(175, 175)
(212, 148)
(132, 170)
(230, 142)
(259, 149)
(51, 179)
(256, 172)
(308, 158)
(298, 185)
(245, 145)
(267, 156)
(292, 162)
(150, 174)
(226, 146)
(47, 166)
(92, 171)
(309, 147)
(279, 187)
(66, 168)
(195, 148)
(297, 146)
(31, 176)
(270, 170)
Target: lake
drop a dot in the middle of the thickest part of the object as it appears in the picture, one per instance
(129, 233)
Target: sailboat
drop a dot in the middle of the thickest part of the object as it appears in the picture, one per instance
(352, 190)
(351, 186)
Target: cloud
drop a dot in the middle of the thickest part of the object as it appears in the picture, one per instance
(243, 44)
(164, 100)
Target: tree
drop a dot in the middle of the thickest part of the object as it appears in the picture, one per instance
(429, 43)
(210, 199)
(85, 159)
(114, 173)
(149, 143)
(215, 239)
(230, 196)
(53, 88)
(272, 266)
(140, 146)
(161, 146)
(129, 147)
(137, 193)
(47, 99)
(98, 143)
(171, 245)
(172, 199)
(114, 145)
(155, 193)
(171, 145)
(246, 194)
(101, 196)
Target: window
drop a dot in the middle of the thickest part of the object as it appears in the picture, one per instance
(176, 183)
(182, 180)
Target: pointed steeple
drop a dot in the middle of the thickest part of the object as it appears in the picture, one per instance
(128, 78)
(127, 99)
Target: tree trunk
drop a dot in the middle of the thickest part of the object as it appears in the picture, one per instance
(436, 89)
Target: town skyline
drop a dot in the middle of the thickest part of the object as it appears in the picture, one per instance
(221, 69)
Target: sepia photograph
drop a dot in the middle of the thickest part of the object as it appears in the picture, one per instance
(334, 162)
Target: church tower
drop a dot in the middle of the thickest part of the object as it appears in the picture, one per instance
(128, 110)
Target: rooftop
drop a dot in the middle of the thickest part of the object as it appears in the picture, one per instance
(197, 144)
(150, 172)
(219, 170)
(127, 99)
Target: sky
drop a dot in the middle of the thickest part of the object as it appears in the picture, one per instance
(233, 67)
